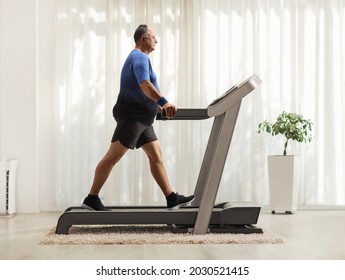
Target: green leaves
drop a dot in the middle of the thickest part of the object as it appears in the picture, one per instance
(291, 126)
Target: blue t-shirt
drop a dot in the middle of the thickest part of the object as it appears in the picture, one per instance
(132, 102)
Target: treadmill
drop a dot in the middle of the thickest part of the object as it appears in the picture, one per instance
(202, 216)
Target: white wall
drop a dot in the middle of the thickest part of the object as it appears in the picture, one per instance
(46, 20)
(18, 126)
(26, 106)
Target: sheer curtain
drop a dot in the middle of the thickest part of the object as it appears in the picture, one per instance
(296, 47)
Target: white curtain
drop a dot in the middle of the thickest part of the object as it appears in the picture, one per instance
(297, 48)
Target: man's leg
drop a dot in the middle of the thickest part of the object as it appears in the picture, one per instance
(103, 169)
(154, 153)
(115, 152)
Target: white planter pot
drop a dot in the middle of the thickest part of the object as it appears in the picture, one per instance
(282, 177)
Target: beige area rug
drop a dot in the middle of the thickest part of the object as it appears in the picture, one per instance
(126, 235)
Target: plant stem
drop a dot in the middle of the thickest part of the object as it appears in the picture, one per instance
(285, 146)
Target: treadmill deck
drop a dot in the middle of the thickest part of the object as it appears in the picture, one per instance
(223, 216)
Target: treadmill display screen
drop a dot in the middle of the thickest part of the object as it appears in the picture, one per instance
(224, 95)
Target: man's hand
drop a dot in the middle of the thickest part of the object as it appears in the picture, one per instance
(170, 110)
(151, 92)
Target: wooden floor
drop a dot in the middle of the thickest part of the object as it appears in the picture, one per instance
(307, 235)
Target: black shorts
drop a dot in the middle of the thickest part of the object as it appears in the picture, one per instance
(133, 134)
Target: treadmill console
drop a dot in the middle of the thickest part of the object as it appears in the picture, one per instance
(230, 91)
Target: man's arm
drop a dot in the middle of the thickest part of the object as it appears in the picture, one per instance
(151, 92)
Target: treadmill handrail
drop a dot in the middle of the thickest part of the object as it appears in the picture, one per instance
(219, 105)
(185, 114)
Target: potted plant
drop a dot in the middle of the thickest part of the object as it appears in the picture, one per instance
(281, 169)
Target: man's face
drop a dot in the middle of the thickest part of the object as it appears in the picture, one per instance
(150, 40)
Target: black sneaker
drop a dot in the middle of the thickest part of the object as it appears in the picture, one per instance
(179, 201)
(93, 203)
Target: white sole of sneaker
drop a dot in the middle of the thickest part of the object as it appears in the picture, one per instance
(87, 207)
(91, 209)
(181, 205)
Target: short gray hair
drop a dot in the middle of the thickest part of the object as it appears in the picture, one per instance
(140, 32)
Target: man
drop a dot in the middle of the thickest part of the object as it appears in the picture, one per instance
(135, 110)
